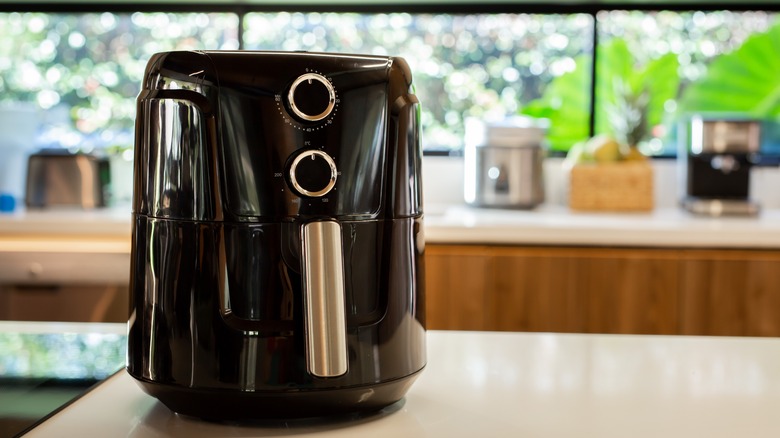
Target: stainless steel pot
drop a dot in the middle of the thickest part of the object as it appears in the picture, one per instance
(504, 167)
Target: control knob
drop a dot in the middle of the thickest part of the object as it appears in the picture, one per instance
(313, 173)
(311, 97)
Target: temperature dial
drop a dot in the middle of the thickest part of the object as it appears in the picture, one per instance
(313, 173)
(312, 97)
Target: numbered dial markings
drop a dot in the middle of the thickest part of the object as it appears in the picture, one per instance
(310, 104)
(313, 173)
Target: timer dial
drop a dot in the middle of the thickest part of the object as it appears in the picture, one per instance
(313, 173)
(311, 97)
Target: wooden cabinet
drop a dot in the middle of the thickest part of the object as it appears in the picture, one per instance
(731, 293)
(456, 278)
(629, 291)
(600, 290)
(540, 285)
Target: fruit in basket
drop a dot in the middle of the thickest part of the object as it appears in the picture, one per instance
(599, 149)
(628, 120)
(634, 154)
(576, 155)
(603, 149)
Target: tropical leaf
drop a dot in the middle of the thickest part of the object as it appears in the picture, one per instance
(613, 71)
(621, 84)
(746, 80)
(566, 101)
(566, 104)
(663, 82)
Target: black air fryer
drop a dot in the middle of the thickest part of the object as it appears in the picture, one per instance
(277, 266)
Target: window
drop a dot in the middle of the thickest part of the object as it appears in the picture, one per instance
(485, 66)
(665, 66)
(80, 73)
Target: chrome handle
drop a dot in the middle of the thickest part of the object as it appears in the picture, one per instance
(323, 299)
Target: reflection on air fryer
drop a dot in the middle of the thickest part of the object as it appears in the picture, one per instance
(277, 263)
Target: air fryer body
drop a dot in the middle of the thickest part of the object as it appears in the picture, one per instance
(277, 244)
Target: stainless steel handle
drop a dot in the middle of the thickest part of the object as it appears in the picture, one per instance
(323, 299)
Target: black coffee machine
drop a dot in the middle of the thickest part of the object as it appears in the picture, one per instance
(715, 159)
(277, 267)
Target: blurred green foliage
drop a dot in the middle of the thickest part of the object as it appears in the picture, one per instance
(629, 98)
(745, 81)
(656, 67)
(61, 355)
(483, 66)
(566, 104)
(92, 64)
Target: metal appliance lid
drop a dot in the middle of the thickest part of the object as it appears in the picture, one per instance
(515, 132)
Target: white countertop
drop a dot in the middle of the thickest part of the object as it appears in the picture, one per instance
(511, 385)
(558, 225)
(65, 246)
(67, 221)
(108, 230)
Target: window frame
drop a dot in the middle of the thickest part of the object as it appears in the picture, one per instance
(455, 7)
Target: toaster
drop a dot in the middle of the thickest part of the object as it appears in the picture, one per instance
(63, 179)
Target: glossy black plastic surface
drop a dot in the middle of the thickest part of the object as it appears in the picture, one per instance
(216, 283)
(219, 305)
(705, 180)
(218, 136)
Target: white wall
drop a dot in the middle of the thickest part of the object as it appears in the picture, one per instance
(443, 183)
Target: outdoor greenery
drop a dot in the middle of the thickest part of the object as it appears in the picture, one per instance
(655, 69)
(61, 355)
(483, 66)
(630, 99)
(746, 80)
(83, 71)
(89, 66)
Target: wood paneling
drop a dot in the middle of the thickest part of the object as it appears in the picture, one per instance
(732, 293)
(534, 291)
(456, 280)
(603, 290)
(80, 303)
(630, 291)
(551, 289)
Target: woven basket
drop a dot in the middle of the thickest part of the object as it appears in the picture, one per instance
(621, 186)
